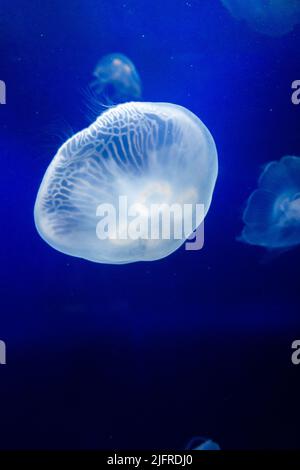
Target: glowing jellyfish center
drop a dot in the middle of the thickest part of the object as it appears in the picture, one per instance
(289, 208)
(128, 187)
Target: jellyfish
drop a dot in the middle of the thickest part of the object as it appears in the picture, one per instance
(201, 443)
(116, 79)
(272, 213)
(112, 189)
(270, 17)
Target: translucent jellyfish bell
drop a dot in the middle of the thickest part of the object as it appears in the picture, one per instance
(272, 214)
(202, 443)
(116, 79)
(270, 17)
(137, 155)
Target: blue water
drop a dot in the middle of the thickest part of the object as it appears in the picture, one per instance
(146, 355)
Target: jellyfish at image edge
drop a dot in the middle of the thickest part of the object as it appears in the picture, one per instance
(116, 80)
(138, 155)
(272, 213)
(201, 443)
(270, 17)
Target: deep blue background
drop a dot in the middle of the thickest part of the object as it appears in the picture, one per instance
(146, 355)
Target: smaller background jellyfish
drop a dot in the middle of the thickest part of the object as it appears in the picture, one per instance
(270, 17)
(272, 213)
(116, 80)
(202, 443)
